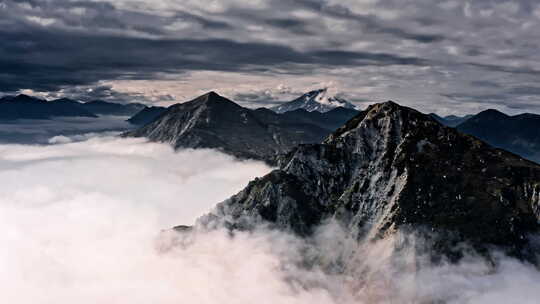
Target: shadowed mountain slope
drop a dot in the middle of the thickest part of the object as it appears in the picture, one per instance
(391, 169)
(518, 134)
(212, 121)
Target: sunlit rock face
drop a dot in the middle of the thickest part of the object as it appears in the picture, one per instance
(391, 169)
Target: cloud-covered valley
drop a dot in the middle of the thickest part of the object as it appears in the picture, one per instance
(83, 222)
(78, 220)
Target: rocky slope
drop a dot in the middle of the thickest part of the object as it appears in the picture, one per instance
(101, 107)
(518, 134)
(212, 121)
(393, 169)
(318, 100)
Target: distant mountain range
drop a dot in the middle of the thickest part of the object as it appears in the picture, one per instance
(212, 121)
(318, 100)
(392, 169)
(27, 107)
(110, 108)
(146, 115)
(451, 120)
(519, 134)
(304, 120)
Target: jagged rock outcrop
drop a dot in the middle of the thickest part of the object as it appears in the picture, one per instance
(212, 121)
(390, 169)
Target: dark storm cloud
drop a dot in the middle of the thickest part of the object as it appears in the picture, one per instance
(518, 98)
(507, 69)
(478, 98)
(42, 60)
(259, 98)
(525, 90)
(487, 84)
(293, 25)
(101, 92)
(376, 49)
(365, 58)
(46, 60)
(369, 23)
(205, 23)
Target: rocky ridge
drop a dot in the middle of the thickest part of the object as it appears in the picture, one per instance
(212, 121)
(391, 169)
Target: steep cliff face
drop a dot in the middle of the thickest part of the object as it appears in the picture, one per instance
(392, 168)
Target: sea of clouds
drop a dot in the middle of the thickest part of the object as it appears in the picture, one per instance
(86, 218)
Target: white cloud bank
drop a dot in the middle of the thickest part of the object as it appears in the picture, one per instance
(78, 220)
(80, 223)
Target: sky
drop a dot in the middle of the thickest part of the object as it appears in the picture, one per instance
(444, 56)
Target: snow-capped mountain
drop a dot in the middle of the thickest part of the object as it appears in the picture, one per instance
(317, 100)
(212, 121)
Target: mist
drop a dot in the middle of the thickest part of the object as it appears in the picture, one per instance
(86, 218)
(39, 131)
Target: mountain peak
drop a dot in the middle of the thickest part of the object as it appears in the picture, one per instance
(387, 106)
(492, 113)
(212, 94)
(390, 169)
(212, 99)
(317, 100)
(213, 121)
(390, 108)
(385, 115)
(24, 98)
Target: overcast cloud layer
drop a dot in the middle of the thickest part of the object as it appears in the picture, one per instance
(437, 55)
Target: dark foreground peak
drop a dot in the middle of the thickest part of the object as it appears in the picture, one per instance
(390, 169)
